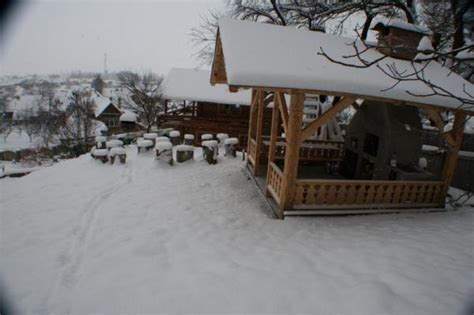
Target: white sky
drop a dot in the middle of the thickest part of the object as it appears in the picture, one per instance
(59, 36)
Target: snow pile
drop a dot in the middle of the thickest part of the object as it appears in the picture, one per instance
(100, 128)
(163, 146)
(209, 144)
(222, 137)
(174, 133)
(184, 148)
(144, 143)
(150, 136)
(469, 126)
(162, 139)
(114, 143)
(128, 116)
(206, 136)
(425, 45)
(117, 151)
(189, 136)
(231, 141)
(465, 55)
(100, 152)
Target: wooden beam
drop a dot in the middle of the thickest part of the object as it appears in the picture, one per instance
(273, 139)
(251, 118)
(326, 117)
(293, 141)
(435, 116)
(283, 109)
(451, 158)
(258, 136)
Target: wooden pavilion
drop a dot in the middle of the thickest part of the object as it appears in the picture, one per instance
(283, 63)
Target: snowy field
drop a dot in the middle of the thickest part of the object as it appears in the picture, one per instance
(81, 237)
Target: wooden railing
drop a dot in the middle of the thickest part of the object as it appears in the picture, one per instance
(353, 194)
(310, 151)
(252, 154)
(275, 182)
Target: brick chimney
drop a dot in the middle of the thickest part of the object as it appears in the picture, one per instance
(399, 39)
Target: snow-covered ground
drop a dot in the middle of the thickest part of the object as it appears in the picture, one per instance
(17, 140)
(82, 237)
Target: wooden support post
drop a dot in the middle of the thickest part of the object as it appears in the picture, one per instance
(251, 119)
(258, 135)
(273, 135)
(436, 117)
(293, 143)
(451, 158)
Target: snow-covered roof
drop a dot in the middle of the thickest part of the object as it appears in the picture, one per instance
(101, 103)
(264, 55)
(194, 85)
(128, 116)
(397, 23)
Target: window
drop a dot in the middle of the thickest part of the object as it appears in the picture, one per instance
(111, 123)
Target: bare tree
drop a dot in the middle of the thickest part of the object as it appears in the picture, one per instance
(6, 126)
(51, 119)
(98, 84)
(146, 93)
(310, 14)
(80, 122)
(29, 122)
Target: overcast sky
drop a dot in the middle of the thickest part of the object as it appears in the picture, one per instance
(58, 36)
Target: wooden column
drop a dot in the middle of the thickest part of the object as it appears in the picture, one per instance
(273, 134)
(258, 135)
(293, 143)
(451, 158)
(251, 118)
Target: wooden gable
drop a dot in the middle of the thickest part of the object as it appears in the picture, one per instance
(218, 74)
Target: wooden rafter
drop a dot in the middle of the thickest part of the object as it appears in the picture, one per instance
(435, 116)
(326, 117)
(280, 98)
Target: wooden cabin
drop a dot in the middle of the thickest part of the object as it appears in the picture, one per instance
(108, 113)
(300, 174)
(195, 107)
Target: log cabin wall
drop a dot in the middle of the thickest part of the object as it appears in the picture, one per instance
(399, 43)
(216, 118)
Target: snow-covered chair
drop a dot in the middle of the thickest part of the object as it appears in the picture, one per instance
(188, 139)
(230, 146)
(175, 137)
(150, 136)
(100, 154)
(210, 151)
(184, 153)
(162, 139)
(164, 151)
(222, 137)
(114, 144)
(144, 145)
(100, 142)
(206, 137)
(117, 151)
